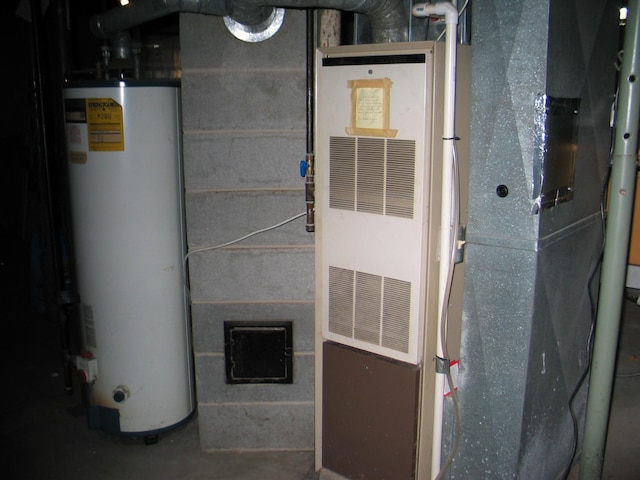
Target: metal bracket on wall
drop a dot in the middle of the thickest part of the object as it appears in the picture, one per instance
(443, 365)
(460, 244)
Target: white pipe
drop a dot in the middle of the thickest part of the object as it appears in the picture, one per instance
(450, 12)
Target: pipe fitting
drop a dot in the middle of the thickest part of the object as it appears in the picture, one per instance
(388, 22)
(258, 32)
(440, 9)
(250, 12)
(121, 393)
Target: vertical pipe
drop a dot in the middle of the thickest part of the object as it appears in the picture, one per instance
(450, 12)
(446, 229)
(67, 298)
(614, 266)
(309, 184)
(44, 145)
(41, 144)
(310, 70)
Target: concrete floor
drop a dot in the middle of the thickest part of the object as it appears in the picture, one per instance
(45, 434)
(622, 454)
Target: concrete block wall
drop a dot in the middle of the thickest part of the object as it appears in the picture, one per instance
(244, 136)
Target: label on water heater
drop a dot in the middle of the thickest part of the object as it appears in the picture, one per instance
(105, 125)
(103, 120)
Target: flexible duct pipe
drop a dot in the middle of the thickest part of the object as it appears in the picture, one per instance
(110, 23)
(614, 264)
(450, 12)
(388, 18)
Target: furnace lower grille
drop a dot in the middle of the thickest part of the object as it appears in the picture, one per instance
(370, 308)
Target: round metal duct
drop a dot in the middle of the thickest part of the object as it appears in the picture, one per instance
(259, 32)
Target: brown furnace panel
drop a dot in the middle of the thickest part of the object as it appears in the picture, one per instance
(369, 416)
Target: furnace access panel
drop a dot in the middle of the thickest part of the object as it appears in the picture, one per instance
(378, 168)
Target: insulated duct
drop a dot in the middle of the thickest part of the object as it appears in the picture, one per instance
(254, 20)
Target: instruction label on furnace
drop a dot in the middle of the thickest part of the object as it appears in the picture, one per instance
(370, 107)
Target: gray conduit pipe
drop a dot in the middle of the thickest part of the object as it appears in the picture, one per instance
(616, 250)
(388, 17)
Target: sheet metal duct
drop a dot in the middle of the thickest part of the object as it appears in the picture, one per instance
(254, 20)
(528, 296)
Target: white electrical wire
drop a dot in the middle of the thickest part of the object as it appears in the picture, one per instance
(455, 224)
(237, 240)
(448, 233)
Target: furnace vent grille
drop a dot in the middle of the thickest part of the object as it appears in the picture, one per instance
(370, 308)
(372, 175)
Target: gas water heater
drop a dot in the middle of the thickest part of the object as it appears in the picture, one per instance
(379, 189)
(126, 188)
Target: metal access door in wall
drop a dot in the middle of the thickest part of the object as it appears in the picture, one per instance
(378, 193)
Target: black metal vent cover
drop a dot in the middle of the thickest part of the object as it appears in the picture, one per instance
(258, 352)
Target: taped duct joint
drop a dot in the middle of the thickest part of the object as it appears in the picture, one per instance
(254, 20)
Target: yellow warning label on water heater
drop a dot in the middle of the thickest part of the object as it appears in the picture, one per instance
(105, 125)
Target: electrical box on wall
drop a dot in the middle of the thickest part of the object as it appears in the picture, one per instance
(378, 195)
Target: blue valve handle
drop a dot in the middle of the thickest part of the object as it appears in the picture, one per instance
(304, 165)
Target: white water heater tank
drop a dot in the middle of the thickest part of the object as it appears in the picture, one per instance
(126, 188)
